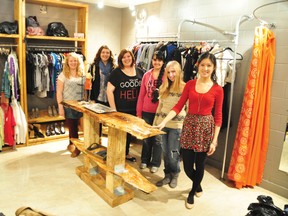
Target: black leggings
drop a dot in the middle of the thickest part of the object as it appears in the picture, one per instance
(195, 174)
(72, 125)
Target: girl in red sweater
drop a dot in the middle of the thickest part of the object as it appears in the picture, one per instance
(202, 123)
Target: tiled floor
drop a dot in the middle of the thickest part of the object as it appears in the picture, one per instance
(43, 177)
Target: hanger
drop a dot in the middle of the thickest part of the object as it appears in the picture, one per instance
(229, 49)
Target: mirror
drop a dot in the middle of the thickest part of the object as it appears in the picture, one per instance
(284, 157)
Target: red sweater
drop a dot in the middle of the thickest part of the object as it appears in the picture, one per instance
(202, 104)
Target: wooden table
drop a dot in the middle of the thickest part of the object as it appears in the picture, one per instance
(107, 177)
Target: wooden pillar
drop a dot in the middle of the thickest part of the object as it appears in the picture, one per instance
(116, 150)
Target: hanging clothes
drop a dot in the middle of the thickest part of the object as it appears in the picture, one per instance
(1, 129)
(251, 142)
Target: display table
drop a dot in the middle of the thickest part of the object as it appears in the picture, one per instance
(107, 175)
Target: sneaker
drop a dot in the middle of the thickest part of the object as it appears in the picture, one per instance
(153, 169)
(143, 165)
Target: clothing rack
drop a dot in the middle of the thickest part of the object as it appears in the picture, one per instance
(8, 45)
(155, 39)
(53, 48)
(221, 31)
(263, 22)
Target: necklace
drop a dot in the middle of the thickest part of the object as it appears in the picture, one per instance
(200, 97)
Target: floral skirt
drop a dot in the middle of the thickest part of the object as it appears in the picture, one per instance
(197, 132)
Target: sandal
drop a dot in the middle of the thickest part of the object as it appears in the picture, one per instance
(132, 159)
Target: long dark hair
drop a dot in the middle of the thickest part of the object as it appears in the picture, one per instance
(155, 94)
(97, 57)
(212, 58)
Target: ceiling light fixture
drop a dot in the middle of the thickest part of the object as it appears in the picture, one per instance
(132, 7)
(100, 4)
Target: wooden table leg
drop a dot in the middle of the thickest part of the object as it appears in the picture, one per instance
(91, 135)
(115, 156)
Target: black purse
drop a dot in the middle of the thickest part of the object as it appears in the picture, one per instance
(9, 27)
(57, 29)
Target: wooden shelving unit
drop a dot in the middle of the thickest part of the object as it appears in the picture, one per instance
(82, 23)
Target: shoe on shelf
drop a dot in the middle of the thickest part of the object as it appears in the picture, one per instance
(31, 132)
(48, 132)
(143, 165)
(37, 113)
(62, 128)
(33, 113)
(153, 169)
(50, 112)
(52, 129)
(54, 111)
(37, 130)
(56, 128)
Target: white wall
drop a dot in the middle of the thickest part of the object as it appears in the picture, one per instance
(104, 27)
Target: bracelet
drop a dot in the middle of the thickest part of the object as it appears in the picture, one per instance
(215, 144)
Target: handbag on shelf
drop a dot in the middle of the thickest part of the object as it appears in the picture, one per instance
(33, 27)
(9, 27)
(57, 29)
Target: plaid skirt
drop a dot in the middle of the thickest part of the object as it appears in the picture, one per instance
(197, 132)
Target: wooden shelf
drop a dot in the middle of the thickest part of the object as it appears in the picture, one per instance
(9, 35)
(44, 118)
(47, 139)
(54, 38)
(54, 3)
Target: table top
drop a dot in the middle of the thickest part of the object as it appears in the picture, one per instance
(122, 121)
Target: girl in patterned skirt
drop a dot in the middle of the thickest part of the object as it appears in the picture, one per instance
(202, 123)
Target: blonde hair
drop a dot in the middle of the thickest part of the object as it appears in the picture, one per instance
(168, 86)
(66, 68)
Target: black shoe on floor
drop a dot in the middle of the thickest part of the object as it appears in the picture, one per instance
(132, 159)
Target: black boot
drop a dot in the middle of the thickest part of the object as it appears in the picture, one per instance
(165, 180)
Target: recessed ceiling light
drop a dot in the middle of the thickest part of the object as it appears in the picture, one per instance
(100, 4)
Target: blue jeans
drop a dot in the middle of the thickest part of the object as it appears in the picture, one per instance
(151, 150)
(170, 143)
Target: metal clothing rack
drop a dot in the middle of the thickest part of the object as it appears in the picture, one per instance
(157, 38)
(263, 22)
(53, 48)
(8, 45)
(179, 40)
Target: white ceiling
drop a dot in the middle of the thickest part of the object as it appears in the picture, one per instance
(118, 3)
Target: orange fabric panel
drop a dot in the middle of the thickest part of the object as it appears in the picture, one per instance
(251, 142)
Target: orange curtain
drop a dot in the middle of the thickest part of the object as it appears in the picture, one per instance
(251, 142)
